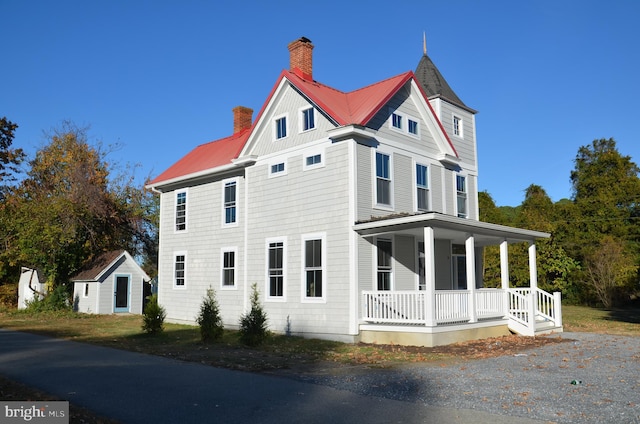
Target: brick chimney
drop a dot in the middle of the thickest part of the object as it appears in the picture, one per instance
(241, 118)
(301, 58)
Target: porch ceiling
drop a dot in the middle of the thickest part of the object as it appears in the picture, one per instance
(448, 227)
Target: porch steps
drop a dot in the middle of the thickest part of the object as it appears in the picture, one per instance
(542, 328)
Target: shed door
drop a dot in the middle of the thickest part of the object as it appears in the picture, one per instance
(121, 294)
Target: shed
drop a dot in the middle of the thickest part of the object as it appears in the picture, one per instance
(30, 286)
(113, 282)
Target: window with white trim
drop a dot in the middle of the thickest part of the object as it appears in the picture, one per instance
(384, 263)
(383, 179)
(313, 159)
(422, 187)
(396, 120)
(228, 268)
(181, 211)
(180, 270)
(280, 127)
(313, 267)
(457, 126)
(275, 270)
(229, 201)
(412, 126)
(308, 119)
(461, 196)
(277, 168)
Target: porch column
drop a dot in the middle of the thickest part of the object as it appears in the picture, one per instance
(533, 269)
(504, 274)
(470, 252)
(429, 277)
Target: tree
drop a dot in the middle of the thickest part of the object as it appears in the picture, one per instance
(153, 316)
(209, 319)
(608, 269)
(68, 209)
(253, 325)
(10, 158)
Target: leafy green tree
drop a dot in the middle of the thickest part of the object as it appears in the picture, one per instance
(253, 325)
(10, 159)
(209, 319)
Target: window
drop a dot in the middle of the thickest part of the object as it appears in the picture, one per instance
(383, 179)
(179, 270)
(308, 119)
(313, 267)
(384, 264)
(457, 126)
(277, 168)
(396, 121)
(276, 269)
(181, 211)
(281, 127)
(461, 196)
(413, 127)
(422, 187)
(313, 160)
(86, 290)
(230, 202)
(228, 268)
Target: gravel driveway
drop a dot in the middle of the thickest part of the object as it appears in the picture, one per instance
(535, 384)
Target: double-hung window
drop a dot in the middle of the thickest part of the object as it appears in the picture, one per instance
(181, 211)
(276, 268)
(422, 187)
(179, 270)
(461, 196)
(384, 264)
(228, 268)
(308, 119)
(412, 127)
(396, 121)
(230, 189)
(383, 179)
(281, 127)
(313, 274)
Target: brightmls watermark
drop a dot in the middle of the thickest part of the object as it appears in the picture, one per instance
(34, 412)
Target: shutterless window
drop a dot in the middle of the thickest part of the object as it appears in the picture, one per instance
(179, 277)
(86, 290)
(384, 264)
(308, 119)
(457, 126)
(383, 179)
(230, 202)
(281, 127)
(313, 267)
(396, 120)
(228, 269)
(461, 196)
(181, 211)
(276, 271)
(413, 127)
(277, 168)
(314, 159)
(422, 187)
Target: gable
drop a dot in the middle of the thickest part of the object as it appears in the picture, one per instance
(100, 267)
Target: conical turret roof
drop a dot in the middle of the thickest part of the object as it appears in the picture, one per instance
(434, 84)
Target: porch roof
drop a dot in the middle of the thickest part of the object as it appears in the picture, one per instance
(448, 227)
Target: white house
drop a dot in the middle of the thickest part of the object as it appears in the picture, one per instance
(356, 213)
(31, 286)
(111, 283)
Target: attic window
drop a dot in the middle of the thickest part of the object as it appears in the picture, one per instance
(308, 119)
(281, 127)
(413, 127)
(396, 121)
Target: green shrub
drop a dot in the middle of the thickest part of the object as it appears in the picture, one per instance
(56, 300)
(253, 326)
(209, 318)
(153, 316)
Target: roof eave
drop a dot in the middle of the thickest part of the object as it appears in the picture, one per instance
(237, 163)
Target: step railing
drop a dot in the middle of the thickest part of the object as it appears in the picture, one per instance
(527, 307)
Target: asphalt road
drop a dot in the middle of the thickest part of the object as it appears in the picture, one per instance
(138, 388)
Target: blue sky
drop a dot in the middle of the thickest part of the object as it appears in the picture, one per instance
(160, 77)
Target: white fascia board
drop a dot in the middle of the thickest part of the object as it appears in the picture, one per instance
(349, 131)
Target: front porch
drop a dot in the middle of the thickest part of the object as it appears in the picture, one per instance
(430, 315)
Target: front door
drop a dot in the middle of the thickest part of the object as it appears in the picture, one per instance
(121, 294)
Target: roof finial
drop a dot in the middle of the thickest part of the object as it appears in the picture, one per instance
(424, 42)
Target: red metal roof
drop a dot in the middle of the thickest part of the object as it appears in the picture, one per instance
(353, 108)
(206, 156)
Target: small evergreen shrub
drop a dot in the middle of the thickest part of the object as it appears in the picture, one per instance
(209, 318)
(153, 316)
(253, 326)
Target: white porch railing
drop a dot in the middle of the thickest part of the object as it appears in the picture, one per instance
(411, 307)
(528, 307)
